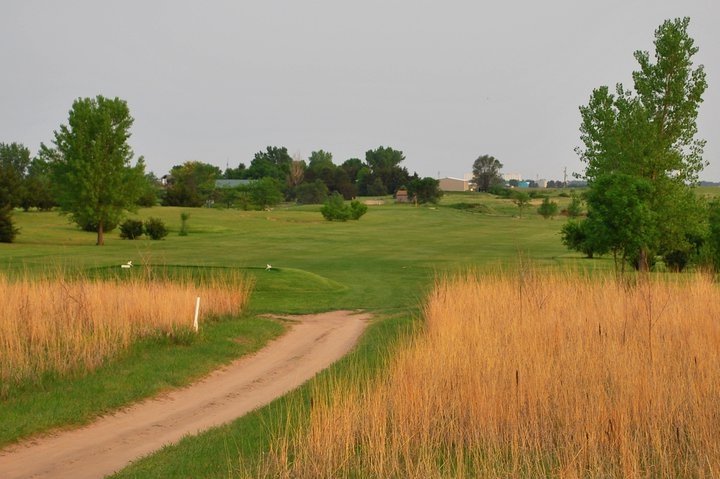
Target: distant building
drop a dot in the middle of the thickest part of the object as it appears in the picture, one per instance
(454, 184)
(511, 176)
(231, 183)
(401, 196)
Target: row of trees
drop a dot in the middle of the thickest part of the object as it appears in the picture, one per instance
(274, 176)
(89, 174)
(642, 162)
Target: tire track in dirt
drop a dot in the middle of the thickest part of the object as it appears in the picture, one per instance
(312, 343)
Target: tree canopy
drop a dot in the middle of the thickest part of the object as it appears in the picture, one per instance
(641, 144)
(486, 172)
(382, 173)
(93, 178)
(14, 164)
(191, 184)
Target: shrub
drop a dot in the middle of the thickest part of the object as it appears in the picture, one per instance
(574, 237)
(335, 209)
(8, 231)
(548, 208)
(184, 217)
(677, 260)
(155, 228)
(574, 209)
(500, 190)
(315, 192)
(357, 209)
(92, 225)
(131, 229)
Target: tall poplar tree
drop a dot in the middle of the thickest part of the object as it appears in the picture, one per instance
(648, 137)
(93, 178)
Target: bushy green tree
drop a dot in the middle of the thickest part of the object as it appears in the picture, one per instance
(14, 164)
(336, 209)
(151, 191)
(382, 173)
(647, 139)
(191, 184)
(8, 230)
(486, 172)
(574, 209)
(93, 178)
(131, 229)
(575, 237)
(37, 191)
(425, 190)
(274, 162)
(548, 208)
(155, 228)
(184, 217)
(266, 193)
(357, 209)
(311, 192)
(521, 200)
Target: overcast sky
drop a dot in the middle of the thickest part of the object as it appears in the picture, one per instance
(444, 82)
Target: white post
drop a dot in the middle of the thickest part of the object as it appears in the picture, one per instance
(197, 310)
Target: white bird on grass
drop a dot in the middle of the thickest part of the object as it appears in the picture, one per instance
(126, 265)
(267, 267)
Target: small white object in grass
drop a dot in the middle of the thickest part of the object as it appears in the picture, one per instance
(267, 267)
(126, 265)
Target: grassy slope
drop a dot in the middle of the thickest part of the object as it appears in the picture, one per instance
(385, 262)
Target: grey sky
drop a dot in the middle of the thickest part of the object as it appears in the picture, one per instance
(444, 82)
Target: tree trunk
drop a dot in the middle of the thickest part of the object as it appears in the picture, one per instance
(643, 262)
(100, 239)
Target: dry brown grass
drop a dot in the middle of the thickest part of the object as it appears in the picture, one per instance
(531, 376)
(61, 325)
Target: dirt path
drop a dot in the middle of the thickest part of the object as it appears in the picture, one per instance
(111, 443)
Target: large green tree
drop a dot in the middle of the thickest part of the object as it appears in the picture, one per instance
(274, 162)
(94, 180)
(191, 184)
(14, 164)
(425, 190)
(648, 136)
(486, 172)
(37, 187)
(383, 173)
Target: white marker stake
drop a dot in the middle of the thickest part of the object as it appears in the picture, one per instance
(197, 310)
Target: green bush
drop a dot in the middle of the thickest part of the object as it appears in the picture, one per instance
(357, 209)
(155, 228)
(574, 209)
(92, 225)
(575, 237)
(8, 230)
(548, 208)
(184, 217)
(335, 209)
(131, 229)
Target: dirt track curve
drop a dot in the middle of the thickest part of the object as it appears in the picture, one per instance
(112, 442)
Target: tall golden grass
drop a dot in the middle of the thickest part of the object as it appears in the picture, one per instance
(530, 375)
(60, 325)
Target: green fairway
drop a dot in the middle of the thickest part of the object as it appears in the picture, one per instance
(385, 262)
